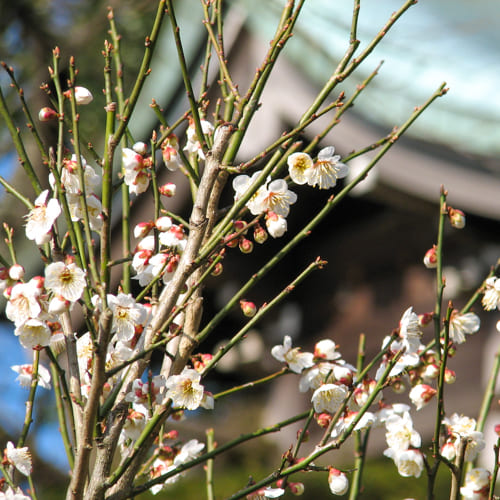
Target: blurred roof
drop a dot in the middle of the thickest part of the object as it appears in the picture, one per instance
(429, 44)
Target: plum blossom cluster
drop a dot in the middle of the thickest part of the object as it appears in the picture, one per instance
(35, 306)
(272, 198)
(158, 252)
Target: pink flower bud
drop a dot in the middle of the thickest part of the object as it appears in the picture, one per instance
(231, 241)
(497, 429)
(246, 246)
(296, 489)
(276, 225)
(217, 270)
(16, 272)
(47, 114)
(431, 371)
(457, 218)
(430, 258)
(425, 318)
(169, 189)
(323, 420)
(259, 234)
(249, 308)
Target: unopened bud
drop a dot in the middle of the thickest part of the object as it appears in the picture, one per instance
(249, 308)
(140, 148)
(16, 272)
(246, 246)
(425, 318)
(83, 95)
(142, 229)
(217, 270)
(497, 429)
(163, 223)
(430, 258)
(450, 376)
(323, 420)
(259, 234)
(457, 218)
(47, 114)
(337, 481)
(169, 189)
(296, 489)
(231, 241)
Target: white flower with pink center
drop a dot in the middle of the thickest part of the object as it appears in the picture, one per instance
(293, 357)
(185, 389)
(326, 169)
(410, 463)
(193, 145)
(329, 397)
(491, 297)
(400, 434)
(20, 458)
(25, 375)
(276, 198)
(33, 333)
(23, 302)
(462, 325)
(298, 165)
(41, 218)
(66, 280)
(127, 314)
(476, 486)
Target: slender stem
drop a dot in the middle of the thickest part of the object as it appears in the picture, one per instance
(209, 468)
(252, 384)
(218, 450)
(494, 474)
(15, 133)
(28, 418)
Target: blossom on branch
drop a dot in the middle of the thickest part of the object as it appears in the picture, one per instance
(66, 280)
(41, 218)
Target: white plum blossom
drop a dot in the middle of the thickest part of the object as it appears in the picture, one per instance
(275, 198)
(241, 184)
(326, 169)
(70, 178)
(188, 451)
(315, 376)
(11, 494)
(41, 218)
(33, 333)
(142, 391)
(326, 349)
(127, 314)
(193, 145)
(185, 389)
(23, 302)
(135, 168)
(462, 325)
(410, 331)
(329, 397)
(337, 481)
(20, 458)
(410, 463)
(170, 153)
(476, 485)
(66, 280)
(296, 360)
(400, 434)
(298, 164)
(25, 375)
(491, 297)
